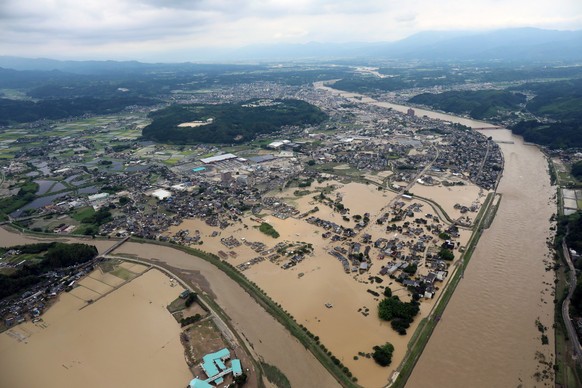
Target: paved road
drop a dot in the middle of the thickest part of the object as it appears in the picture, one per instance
(566, 306)
(411, 183)
(218, 321)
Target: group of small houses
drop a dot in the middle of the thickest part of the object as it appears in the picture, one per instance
(412, 242)
(414, 237)
(33, 303)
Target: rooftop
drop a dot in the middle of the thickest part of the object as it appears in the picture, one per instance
(218, 158)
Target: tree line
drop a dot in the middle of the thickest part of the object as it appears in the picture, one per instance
(50, 256)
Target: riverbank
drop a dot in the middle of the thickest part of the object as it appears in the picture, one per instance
(125, 339)
(509, 286)
(505, 290)
(319, 280)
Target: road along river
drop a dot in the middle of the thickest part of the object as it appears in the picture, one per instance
(488, 336)
(267, 337)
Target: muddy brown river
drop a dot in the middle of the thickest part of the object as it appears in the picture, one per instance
(488, 336)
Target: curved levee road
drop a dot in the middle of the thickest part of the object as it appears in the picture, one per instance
(267, 337)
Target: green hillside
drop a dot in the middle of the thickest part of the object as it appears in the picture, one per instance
(228, 123)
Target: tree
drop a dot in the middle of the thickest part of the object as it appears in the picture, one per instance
(400, 325)
(577, 170)
(444, 236)
(383, 354)
(387, 292)
(446, 254)
(241, 379)
(400, 314)
(192, 297)
(411, 269)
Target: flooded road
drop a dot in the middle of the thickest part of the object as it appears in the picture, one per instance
(488, 335)
(266, 335)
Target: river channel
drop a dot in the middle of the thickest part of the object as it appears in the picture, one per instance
(488, 335)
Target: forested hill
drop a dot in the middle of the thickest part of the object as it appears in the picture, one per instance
(19, 111)
(479, 104)
(229, 123)
(553, 117)
(561, 104)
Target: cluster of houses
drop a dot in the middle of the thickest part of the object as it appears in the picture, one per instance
(32, 303)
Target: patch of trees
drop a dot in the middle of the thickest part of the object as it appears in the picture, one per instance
(231, 123)
(189, 320)
(577, 170)
(52, 256)
(19, 111)
(192, 297)
(446, 254)
(120, 147)
(383, 354)
(26, 194)
(479, 104)
(444, 236)
(411, 269)
(554, 135)
(268, 229)
(561, 101)
(573, 226)
(241, 379)
(100, 217)
(400, 314)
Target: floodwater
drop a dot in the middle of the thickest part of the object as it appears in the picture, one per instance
(304, 290)
(38, 203)
(267, 337)
(488, 336)
(262, 331)
(126, 339)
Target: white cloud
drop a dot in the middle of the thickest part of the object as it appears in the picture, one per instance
(122, 28)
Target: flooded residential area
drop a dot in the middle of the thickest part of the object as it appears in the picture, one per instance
(506, 289)
(126, 339)
(324, 291)
(304, 225)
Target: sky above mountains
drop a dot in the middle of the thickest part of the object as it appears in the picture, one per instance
(170, 30)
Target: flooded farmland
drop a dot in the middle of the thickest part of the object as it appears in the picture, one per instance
(126, 339)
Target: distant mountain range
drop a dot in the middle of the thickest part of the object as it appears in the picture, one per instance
(515, 45)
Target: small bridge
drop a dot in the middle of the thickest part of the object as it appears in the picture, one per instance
(114, 247)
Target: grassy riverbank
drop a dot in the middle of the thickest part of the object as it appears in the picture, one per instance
(307, 339)
(426, 327)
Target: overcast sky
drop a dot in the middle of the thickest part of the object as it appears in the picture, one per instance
(168, 30)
